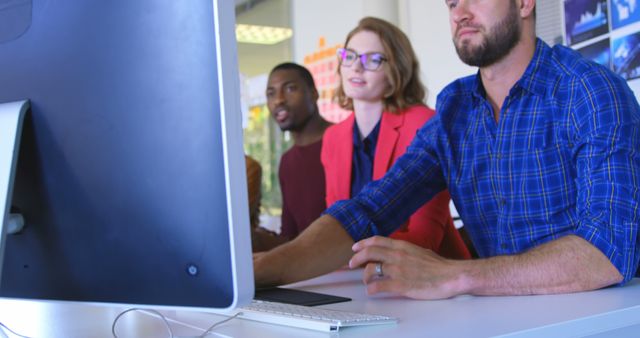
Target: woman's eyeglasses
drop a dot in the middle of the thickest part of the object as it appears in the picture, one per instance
(369, 61)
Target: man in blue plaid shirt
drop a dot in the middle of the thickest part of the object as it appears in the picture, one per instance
(541, 154)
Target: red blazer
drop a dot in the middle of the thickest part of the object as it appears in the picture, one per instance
(431, 226)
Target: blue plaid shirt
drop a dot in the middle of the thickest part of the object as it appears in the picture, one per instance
(564, 158)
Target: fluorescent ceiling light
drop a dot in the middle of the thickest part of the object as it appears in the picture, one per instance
(265, 35)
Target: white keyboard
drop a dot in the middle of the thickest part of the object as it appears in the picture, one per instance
(308, 317)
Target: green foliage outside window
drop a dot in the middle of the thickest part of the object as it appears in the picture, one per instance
(264, 141)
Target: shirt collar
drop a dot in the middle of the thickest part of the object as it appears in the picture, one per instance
(535, 77)
(372, 138)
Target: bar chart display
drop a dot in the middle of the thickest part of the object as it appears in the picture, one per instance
(606, 32)
(585, 19)
(626, 56)
(624, 12)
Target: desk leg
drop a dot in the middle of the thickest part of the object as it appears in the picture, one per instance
(11, 119)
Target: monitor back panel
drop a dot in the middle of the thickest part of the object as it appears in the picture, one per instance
(120, 176)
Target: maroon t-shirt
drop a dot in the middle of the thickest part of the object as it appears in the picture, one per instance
(303, 189)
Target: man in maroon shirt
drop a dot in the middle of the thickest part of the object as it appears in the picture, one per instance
(291, 98)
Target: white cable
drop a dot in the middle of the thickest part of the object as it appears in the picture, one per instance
(166, 323)
(115, 321)
(3, 334)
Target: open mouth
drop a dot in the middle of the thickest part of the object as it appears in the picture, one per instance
(281, 115)
(357, 82)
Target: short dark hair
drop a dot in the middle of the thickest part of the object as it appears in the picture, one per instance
(302, 71)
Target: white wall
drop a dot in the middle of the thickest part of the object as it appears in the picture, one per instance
(635, 86)
(312, 19)
(427, 25)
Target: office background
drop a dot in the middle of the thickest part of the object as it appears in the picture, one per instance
(320, 26)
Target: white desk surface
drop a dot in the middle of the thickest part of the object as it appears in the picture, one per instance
(603, 313)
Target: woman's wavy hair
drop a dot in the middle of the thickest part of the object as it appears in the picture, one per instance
(402, 71)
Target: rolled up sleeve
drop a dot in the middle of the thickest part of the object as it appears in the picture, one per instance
(608, 174)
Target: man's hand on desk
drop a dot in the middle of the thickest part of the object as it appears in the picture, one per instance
(567, 264)
(406, 269)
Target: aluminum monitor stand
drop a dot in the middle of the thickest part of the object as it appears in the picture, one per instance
(11, 119)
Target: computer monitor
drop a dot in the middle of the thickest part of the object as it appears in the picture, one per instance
(131, 174)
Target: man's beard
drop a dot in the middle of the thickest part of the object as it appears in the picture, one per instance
(499, 41)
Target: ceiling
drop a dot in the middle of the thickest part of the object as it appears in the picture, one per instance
(246, 4)
(255, 59)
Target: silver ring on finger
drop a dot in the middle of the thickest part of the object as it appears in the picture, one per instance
(379, 271)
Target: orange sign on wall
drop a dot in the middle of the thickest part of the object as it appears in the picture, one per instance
(323, 65)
